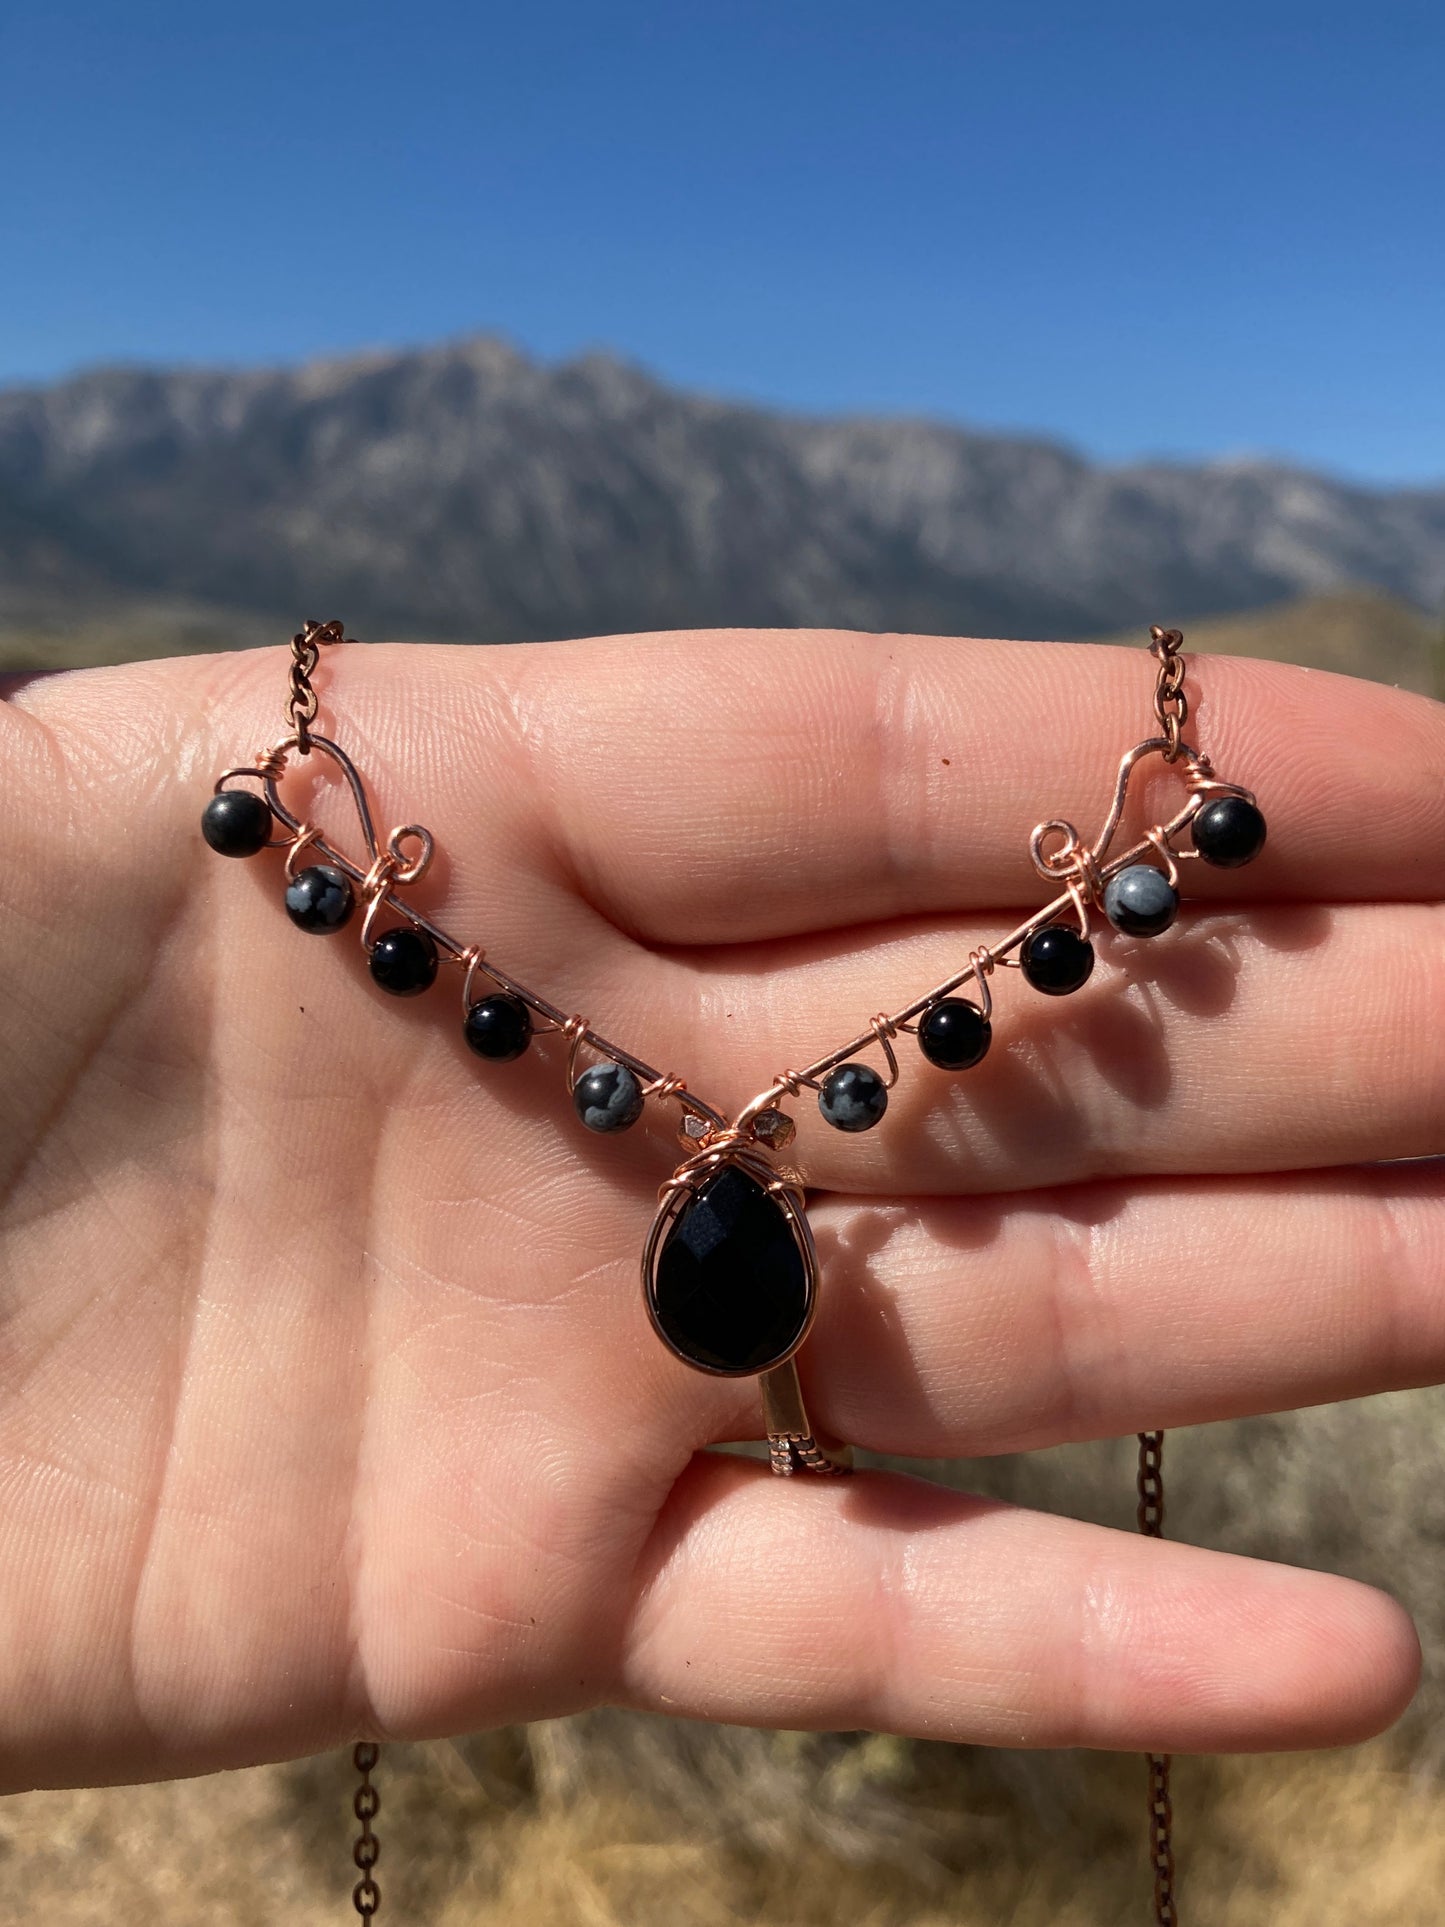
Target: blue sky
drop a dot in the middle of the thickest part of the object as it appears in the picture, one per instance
(1144, 229)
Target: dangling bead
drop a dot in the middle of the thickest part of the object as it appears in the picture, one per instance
(1229, 832)
(320, 899)
(733, 1285)
(236, 823)
(1056, 959)
(498, 1027)
(1140, 901)
(404, 961)
(608, 1098)
(853, 1097)
(954, 1034)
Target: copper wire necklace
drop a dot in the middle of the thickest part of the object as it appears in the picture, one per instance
(729, 1269)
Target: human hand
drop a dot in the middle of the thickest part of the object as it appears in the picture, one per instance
(328, 1404)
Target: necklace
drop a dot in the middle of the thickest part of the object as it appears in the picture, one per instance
(729, 1270)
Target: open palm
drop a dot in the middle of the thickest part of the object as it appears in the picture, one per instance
(328, 1403)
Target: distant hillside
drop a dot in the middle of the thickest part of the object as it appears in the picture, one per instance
(58, 633)
(1356, 633)
(465, 491)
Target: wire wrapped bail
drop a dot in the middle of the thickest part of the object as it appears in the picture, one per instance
(575, 1031)
(391, 866)
(666, 1084)
(305, 838)
(472, 959)
(1163, 849)
(1073, 864)
(983, 962)
(885, 1030)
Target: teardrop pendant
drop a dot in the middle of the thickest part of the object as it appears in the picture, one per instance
(730, 1273)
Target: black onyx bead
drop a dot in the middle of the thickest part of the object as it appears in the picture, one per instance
(954, 1034)
(608, 1098)
(853, 1097)
(1140, 901)
(1229, 832)
(319, 899)
(404, 961)
(498, 1027)
(731, 1291)
(1057, 959)
(236, 823)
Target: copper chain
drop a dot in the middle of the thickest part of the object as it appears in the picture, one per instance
(1171, 705)
(301, 707)
(301, 704)
(366, 1895)
(1161, 1811)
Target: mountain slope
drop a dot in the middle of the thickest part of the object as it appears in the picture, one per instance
(467, 491)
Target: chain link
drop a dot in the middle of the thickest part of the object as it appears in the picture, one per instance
(1171, 705)
(1161, 1812)
(301, 704)
(366, 1895)
(1161, 1844)
(1151, 1484)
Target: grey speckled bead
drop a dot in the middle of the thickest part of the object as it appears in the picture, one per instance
(608, 1098)
(853, 1097)
(1140, 901)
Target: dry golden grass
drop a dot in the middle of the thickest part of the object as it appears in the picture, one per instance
(1312, 1841)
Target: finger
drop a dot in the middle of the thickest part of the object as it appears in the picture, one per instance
(1262, 1039)
(956, 1328)
(756, 783)
(719, 788)
(885, 1603)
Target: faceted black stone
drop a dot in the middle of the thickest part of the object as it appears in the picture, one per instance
(1229, 832)
(1057, 959)
(498, 1027)
(608, 1098)
(1140, 901)
(853, 1097)
(319, 899)
(236, 823)
(731, 1290)
(954, 1034)
(404, 961)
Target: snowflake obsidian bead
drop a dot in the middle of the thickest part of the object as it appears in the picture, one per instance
(608, 1098)
(236, 823)
(853, 1097)
(320, 899)
(1140, 901)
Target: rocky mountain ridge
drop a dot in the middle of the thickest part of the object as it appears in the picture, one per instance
(465, 490)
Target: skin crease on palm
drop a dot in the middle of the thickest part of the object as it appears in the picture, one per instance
(328, 1403)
